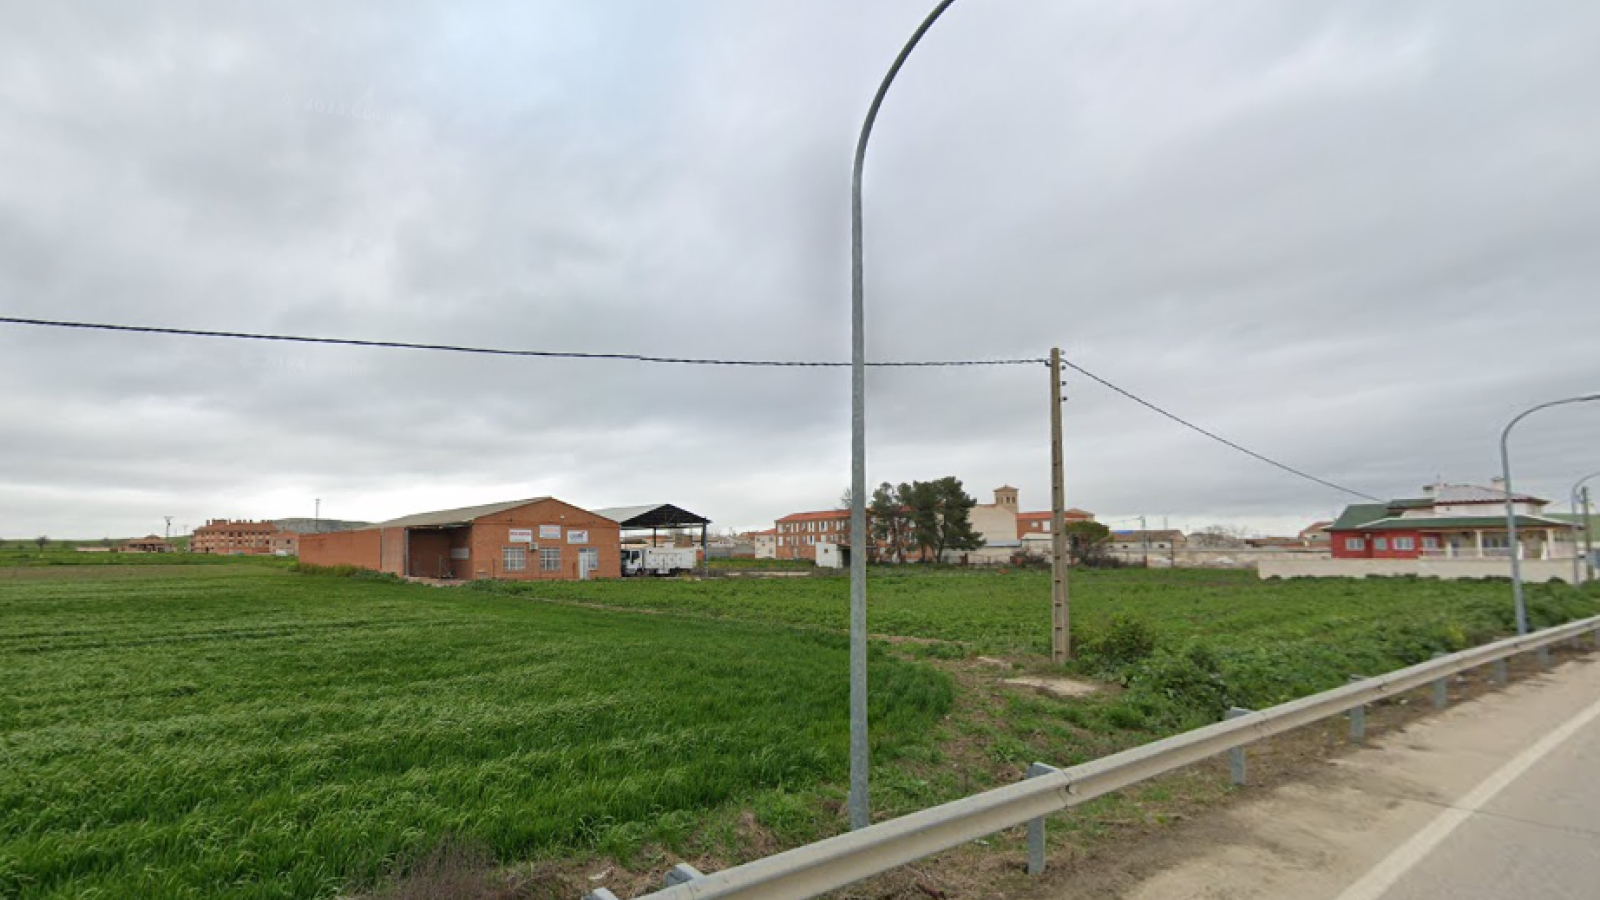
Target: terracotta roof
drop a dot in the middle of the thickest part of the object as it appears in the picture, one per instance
(1073, 513)
(810, 516)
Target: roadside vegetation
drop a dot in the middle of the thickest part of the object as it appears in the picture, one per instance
(246, 731)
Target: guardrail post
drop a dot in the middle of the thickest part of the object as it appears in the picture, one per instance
(1543, 655)
(1501, 672)
(599, 894)
(1036, 827)
(1441, 689)
(1236, 761)
(682, 873)
(1358, 717)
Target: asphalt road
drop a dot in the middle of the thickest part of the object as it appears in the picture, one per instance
(1495, 798)
(1533, 831)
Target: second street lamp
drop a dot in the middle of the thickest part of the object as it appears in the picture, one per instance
(1517, 597)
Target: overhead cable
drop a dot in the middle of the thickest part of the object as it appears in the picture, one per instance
(672, 360)
(492, 351)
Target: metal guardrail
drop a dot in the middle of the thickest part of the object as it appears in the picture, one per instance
(829, 864)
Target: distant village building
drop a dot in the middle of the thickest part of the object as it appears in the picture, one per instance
(1451, 531)
(1315, 535)
(228, 537)
(1270, 542)
(766, 543)
(1451, 521)
(798, 534)
(1006, 531)
(1139, 545)
(148, 544)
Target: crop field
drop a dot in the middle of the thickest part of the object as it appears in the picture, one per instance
(1255, 642)
(242, 731)
(245, 731)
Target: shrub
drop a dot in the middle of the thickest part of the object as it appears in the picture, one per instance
(1126, 641)
(1181, 688)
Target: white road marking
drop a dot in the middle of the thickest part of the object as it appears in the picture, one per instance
(1384, 875)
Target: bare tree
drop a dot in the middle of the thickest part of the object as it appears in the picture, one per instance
(42, 541)
(1217, 536)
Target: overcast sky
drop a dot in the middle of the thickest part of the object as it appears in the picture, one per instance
(1354, 236)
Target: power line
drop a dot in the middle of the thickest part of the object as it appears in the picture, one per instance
(672, 360)
(1217, 437)
(492, 351)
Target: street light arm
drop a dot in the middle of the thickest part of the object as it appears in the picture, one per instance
(888, 79)
(860, 814)
(1505, 434)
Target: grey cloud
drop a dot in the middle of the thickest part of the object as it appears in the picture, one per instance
(1355, 236)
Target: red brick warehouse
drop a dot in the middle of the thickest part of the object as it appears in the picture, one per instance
(521, 540)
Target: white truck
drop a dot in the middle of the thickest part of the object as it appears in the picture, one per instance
(658, 560)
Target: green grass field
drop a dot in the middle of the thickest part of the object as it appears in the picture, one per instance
(245, 731)
(242, 731)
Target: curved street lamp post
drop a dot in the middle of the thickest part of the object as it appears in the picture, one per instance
(860, 811)
(1514, 549)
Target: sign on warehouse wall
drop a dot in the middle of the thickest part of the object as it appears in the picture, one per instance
(521, 536)
(577, 537)
(552, 532)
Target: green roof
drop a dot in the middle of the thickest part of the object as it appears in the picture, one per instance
(1358, 514)
(1456, 523)
(1410, 503)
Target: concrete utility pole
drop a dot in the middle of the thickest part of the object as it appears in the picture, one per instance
(316, 518)
(860, 809)
(1060, 606)
(169, 526)
(1518, 599)
(1582, 557)
(1144, 541)
(1588, 536)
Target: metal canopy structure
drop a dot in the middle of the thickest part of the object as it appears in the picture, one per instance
(653, 515)
(661, 515)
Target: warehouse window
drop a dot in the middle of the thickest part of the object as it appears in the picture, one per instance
(514, 559)
(1355, 544)
(1405, 543)
(550, 559)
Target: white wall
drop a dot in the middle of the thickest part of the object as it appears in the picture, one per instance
(997, 524)
(829, 557)
(1533, 570)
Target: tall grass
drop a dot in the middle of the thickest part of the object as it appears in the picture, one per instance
(252, 733)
